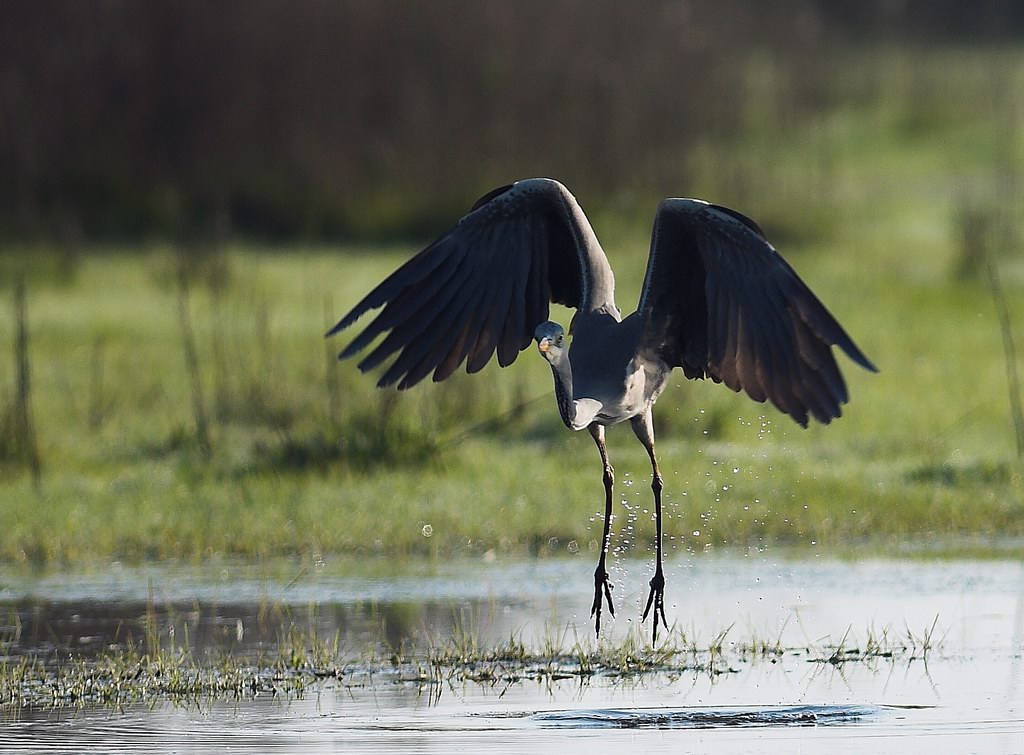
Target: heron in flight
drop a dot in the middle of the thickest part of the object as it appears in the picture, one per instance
(717, 301)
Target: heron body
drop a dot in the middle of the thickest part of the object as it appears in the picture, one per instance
(601, 378)
(717, 301)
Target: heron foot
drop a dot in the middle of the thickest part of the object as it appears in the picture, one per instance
(602, 593)
(656, 599)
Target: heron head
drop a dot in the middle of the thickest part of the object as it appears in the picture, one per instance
(550, 339)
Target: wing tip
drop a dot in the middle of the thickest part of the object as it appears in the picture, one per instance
(346, 321)
(866, 363)
(349, 352)
(340, 326)
(855, 355)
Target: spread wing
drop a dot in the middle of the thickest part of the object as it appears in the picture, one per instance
(484, 286)
(720, 302)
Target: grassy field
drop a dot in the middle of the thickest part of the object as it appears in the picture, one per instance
(885, 201)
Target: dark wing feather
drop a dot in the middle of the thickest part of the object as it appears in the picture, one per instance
(484, 286)
(720, 302)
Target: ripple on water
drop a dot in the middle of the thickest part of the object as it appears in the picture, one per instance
(706, 718)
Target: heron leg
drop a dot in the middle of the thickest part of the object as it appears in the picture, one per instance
(602, 586)
(643, 427)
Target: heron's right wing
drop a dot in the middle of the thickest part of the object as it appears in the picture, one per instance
(484, 286)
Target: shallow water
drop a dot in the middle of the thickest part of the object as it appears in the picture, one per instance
(968, 696)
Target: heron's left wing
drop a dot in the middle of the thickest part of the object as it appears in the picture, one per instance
(720, 302)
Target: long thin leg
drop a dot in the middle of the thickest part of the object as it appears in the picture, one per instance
(643, 426)
(602, 587)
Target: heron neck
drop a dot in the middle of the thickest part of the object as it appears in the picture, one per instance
(562, 373)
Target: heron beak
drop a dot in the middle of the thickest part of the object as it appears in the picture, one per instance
(544, 344)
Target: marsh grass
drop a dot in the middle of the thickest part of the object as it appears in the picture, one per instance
(303, 661)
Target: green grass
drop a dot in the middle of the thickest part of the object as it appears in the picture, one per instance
(925, 450)
(864, 195)
(302, 662)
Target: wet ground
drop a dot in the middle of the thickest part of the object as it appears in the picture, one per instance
(965, 693)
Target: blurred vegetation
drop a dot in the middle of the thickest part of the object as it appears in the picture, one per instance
(184, 405)
(359, 120)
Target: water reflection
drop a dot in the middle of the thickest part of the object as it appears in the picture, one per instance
(52, 630)
(244, 608)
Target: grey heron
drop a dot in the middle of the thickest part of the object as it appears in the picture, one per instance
(717, 301)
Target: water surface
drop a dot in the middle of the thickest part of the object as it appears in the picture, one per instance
(965, 693)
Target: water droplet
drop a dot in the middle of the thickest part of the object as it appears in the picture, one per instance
(573, 546)
(696, 533)
(427, 530)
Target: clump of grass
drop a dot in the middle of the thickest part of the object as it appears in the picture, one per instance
(130, 679)
(881, 645)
